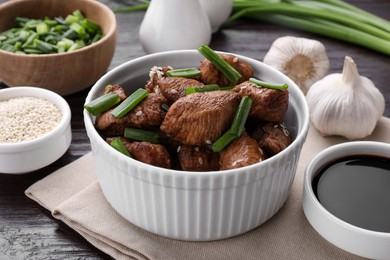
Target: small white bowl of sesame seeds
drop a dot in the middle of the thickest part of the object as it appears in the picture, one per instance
(34, 128)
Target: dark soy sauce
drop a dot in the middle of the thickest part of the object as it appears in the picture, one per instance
(356, 189)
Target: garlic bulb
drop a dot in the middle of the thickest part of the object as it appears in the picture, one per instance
(303, 60)
(345, 104)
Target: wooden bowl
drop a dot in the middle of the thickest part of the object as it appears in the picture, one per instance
(63, 73)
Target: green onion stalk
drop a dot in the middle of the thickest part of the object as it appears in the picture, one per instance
(335, 19)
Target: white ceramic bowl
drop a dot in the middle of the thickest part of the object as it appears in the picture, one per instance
(359, 241)
(28, 156)
(197, 206)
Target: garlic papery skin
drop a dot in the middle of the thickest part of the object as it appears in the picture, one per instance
(303, 60)
(345, 104)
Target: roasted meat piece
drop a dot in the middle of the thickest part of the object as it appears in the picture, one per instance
(195, 158)
(146, 115)
(268, 104)
(155, 74)
(243, 151)
(116, 89)
(272, 138)
(173, 88)
(211, 75)
(153, 154)
(200, 118)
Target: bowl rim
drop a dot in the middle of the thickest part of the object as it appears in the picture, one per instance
(301, 136)
(58, 130)
(348, 148)
(109, 15)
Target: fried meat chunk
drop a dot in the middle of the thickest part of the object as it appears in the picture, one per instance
(200, 118)
(155, 74)
(211, 75)
(146, 115)
(195, 158)
(116, 89)
(153, 154)
(272, 138)
(268, 104)
(173, 88)
(243, 151)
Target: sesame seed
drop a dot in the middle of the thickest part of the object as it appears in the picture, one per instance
(27, 118)
(178, 148)
(173, 91)
(235, 59)
(236, 162)
(196, 149)
(156, 71)
(200, 160)
(208, 142)
(138, 113)
(284, 129)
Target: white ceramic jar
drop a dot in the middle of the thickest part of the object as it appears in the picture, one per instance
(174, 25)
(195, 206)
(217, 11)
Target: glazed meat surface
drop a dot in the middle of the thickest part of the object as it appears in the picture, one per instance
(173, 88)
(154, 154)
(211, 75)
(243, 151)
(116, 89)
(155, 74)
(195, 158)
(268, 104)
(272, 138)
(200, 118)
(146, 115)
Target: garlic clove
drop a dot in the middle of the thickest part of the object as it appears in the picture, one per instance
(345, 104)
(303, 60)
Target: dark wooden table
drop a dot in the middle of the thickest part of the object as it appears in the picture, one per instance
(28, 231)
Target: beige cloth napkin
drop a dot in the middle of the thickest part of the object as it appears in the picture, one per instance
(73, 195)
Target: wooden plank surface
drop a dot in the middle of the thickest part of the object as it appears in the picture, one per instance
(27, 231)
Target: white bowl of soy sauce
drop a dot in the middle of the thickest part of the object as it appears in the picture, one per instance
(346, 197)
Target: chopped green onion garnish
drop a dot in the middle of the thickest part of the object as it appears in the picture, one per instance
(227, 88)
(78, 29)
(268, 85)
(119, 146)
(204, 88)
(142, 135)
(241, 115)
(102, 103)
(184, 73)
(230, 73)
(42, 28)
(36, 36)
(237, 126)
(90, 26)
(129, 103)
(44, 46)
(223, 141)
